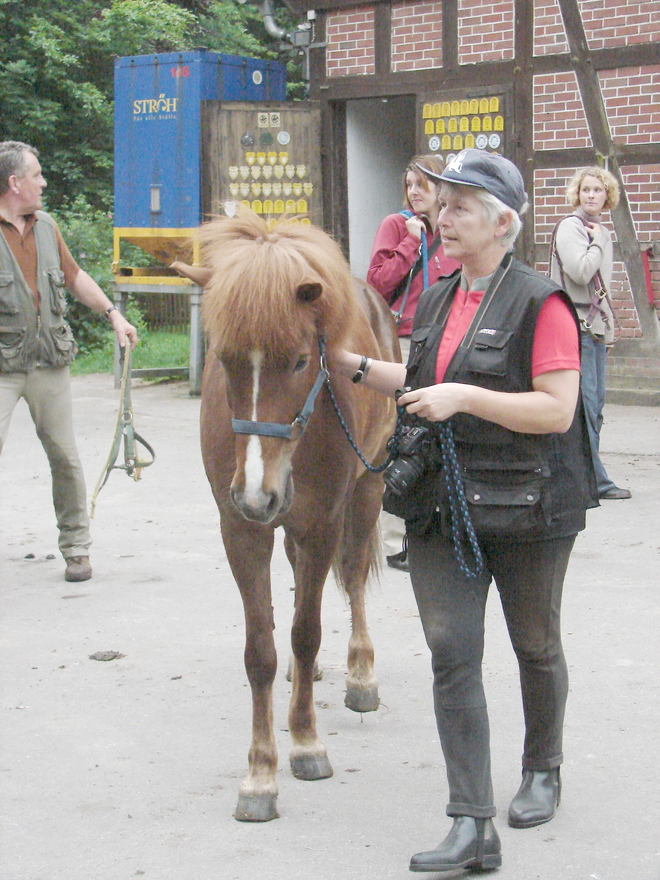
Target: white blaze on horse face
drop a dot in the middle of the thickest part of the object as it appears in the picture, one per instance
(254, 464)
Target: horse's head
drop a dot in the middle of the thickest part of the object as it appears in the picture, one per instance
(268, 397)
(270, 296)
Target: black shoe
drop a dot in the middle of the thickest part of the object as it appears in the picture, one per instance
(537, 799)
(471, 843)
(399, 560)
(614, 494)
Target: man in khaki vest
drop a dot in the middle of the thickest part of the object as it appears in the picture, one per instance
(36, 343)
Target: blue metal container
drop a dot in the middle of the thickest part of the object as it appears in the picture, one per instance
(158, 126)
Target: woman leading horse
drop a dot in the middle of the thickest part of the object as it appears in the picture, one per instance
(495, 350)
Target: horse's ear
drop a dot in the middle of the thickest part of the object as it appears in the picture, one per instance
(198, 274)
(309, 291)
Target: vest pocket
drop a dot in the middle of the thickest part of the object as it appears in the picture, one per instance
(8, 301)
(11, 348)
(490, 353)
(64, 344)
(57, 298)
(507, 502)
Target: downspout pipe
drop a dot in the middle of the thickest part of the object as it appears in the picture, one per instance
(266, 10)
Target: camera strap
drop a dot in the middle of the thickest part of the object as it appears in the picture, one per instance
(462, 528)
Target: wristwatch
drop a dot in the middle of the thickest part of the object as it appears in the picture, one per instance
(111, 309)
(363, 369)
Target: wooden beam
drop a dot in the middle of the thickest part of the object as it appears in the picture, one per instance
(335, 168)
(636, 55)
(627, 154)
(383, 39)
(317, 63)
(597, 121)
(331, 5)
(523, 111)
(449, 35)
(495, 75)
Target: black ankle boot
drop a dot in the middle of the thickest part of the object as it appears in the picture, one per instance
(537, 799)
(399, 560)
(471, 843)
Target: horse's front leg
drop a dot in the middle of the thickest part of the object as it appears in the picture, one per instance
(359, 546)
(309, 758)
(249, 550)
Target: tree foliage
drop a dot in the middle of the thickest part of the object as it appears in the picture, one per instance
(56, 93)
(56, 74)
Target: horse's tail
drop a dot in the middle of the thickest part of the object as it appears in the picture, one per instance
(347, 551)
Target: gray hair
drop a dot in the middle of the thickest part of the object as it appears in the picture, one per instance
(12, 161)
(494, 208)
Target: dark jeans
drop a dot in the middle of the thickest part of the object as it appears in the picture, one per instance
(592, 385)
(529, 577)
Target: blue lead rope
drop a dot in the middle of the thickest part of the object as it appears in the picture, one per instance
(423, 249)
(425, 259)
(461, 522)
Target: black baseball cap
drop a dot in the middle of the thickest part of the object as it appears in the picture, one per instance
(490, 171)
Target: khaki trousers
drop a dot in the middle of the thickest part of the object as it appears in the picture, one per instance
(47, 393)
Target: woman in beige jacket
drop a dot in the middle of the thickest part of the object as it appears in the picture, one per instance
(581, 261)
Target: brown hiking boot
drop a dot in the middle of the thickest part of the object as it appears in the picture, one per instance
(78, 569)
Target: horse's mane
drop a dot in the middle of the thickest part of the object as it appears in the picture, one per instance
(250, 300)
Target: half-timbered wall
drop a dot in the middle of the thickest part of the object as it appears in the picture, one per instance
(521, 50)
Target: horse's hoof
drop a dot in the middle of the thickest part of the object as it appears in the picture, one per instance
(362, 699)
(256, 808)
(311, 767)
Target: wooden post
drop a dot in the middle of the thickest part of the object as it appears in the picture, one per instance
(523, 106)
(596, 114)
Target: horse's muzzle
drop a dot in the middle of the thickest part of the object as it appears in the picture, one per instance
(263, 506)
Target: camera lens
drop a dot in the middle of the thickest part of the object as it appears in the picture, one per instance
(403, 473)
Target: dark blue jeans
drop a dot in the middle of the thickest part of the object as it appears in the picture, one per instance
(592, 385)
(530, 578)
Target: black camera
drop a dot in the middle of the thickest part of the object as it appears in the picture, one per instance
(417, 452)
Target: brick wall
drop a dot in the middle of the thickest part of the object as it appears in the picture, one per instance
(549, 34)
(350, 42)
(416, 36)
(631, 100)
(485, 31)
(559, 120)
(607, 23)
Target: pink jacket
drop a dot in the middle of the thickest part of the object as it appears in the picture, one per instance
(392, 257)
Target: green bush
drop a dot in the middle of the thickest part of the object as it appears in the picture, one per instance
(88, 234)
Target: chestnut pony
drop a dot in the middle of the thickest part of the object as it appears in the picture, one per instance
(272, 297)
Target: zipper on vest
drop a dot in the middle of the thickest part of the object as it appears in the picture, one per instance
(38, 337)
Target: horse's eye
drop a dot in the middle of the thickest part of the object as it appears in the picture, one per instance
(301, 364)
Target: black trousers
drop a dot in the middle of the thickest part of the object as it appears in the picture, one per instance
(529, 577)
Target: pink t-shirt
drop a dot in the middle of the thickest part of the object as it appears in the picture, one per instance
(556, 343)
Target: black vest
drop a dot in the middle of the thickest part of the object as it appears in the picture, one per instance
(497, 354)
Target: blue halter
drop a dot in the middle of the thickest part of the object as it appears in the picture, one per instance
(296, 429)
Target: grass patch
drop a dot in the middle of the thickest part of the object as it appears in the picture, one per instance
(157, 348)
